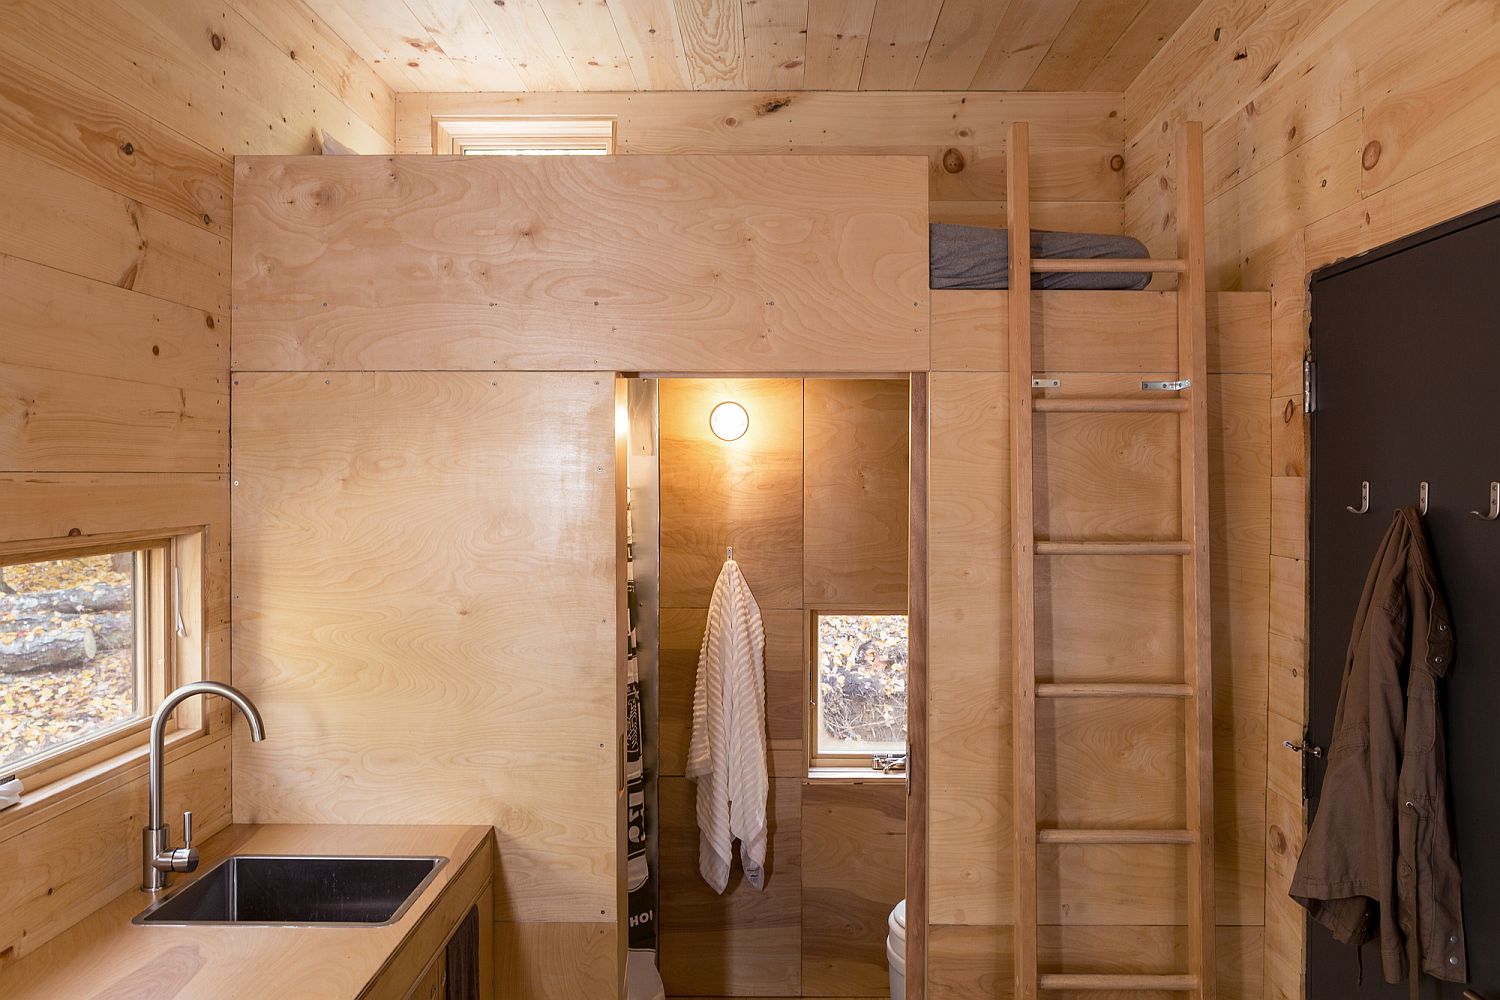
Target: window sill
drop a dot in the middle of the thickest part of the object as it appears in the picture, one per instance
(853, 775)
(56, 797)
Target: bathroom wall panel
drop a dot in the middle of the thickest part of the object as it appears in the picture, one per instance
(854, 510)
(786, 687)
(425, 561)
(853, 873)
(743, 943)
(631, 263)
(745, 493)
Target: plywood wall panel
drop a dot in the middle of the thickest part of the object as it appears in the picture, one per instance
(853, 862)
(1098, 332)
(631, 263)
(423, 562)
(855, 494)
(743, 943)
(745, 493)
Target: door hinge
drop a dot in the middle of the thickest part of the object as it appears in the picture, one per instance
(1309, 384)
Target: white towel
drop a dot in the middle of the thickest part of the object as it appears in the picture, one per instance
(727, 758)
(10, 792)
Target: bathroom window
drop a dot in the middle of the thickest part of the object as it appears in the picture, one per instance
(524, 136)
(84, 654)
(858, 685)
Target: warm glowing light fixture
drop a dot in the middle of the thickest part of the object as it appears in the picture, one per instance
(729, 421)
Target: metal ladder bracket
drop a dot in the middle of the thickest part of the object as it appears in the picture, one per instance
(1173, 385)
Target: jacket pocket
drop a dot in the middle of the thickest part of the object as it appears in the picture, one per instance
(1421, 714)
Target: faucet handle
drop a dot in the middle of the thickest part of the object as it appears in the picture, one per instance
(187, 828)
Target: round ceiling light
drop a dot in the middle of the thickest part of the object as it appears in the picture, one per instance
(729, 421)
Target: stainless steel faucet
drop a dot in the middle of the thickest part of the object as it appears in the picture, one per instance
(158, 858)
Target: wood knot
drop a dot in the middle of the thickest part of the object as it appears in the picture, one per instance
(128, 149)
(772, 106)
(74, 532)
(156, 350)
(1278, 840)
(1371, 155)
(731, 121)
(208, 321)
(953, 160)
(1289, 411)
(1117, 163)
(216, 41)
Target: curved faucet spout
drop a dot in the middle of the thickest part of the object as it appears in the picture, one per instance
(159, 859)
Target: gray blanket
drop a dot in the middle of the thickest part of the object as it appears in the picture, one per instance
(979, 257)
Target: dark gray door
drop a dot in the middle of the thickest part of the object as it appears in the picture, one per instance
(1406, 342)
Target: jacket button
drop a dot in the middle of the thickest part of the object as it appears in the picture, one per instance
(1437, 659)
(1452, 959)
(1442, 628)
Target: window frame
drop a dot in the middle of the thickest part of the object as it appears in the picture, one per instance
(457, 135)
(168, 582)
(838, 764)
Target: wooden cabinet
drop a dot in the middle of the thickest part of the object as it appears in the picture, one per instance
(453, 973)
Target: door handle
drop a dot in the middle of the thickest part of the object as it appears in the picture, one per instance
(1303, 747)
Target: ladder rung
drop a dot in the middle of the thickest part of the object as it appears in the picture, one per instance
(1157, 548)
(1125, 690)
(1098, 404)
(1117, 981)
(1107, 265)
(1077, 836)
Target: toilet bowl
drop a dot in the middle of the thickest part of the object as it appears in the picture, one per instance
(895, 951)
(642, 981)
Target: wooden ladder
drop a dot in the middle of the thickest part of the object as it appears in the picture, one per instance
(1191, 403)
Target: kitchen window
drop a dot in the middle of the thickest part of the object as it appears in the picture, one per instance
(86, 653)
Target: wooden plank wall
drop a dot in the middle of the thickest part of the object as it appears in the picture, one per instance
(1077, 170)
(115, 221)
(1113, 908)
(1332, 128)
(813, 499)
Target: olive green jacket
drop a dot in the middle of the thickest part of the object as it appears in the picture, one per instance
(1380, 860)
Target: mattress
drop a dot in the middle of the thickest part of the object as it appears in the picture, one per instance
(979, 257)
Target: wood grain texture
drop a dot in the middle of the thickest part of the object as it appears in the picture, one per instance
(1099, 332)
(1344, 126)
(565, 961)
(415, 668)
(743, 943)
(838, 541)
(544, 262)
(855, 494)
(853, 859)
(889, 45)
(118, 121)
(105, 955)
(746, 493)
(1077, 175)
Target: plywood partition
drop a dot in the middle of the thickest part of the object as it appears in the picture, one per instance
(1096, 618)
(425, 605)
(571, 263)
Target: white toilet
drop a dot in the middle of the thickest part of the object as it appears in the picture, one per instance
(895, 951)
(642, 981)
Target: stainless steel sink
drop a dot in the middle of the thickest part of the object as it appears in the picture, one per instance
(298, 891)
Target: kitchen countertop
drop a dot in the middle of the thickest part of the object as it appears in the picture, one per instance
(106, 957)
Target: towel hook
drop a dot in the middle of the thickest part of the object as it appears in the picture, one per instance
(1494, 504)
(729, 552)
(1364, 500)
(1422, 494)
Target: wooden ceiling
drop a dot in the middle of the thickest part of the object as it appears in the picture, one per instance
(624, 45)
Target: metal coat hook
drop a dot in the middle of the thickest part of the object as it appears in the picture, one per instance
(1364, 500)
(1494, 504)
(729, 552)
(1422, 493)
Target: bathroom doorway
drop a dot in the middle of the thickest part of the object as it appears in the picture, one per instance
(817, 486)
